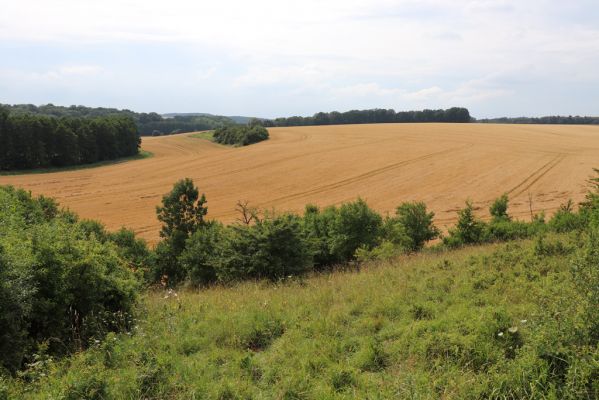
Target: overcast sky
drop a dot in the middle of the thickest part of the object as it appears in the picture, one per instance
(272, 58)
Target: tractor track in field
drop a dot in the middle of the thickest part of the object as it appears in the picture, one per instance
(366, 175)
(538, 174)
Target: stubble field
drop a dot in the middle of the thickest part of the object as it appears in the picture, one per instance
(386, 164)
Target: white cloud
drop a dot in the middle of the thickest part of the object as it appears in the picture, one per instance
(80, 70)
(404, 53)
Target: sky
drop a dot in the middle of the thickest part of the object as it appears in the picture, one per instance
(273, 58)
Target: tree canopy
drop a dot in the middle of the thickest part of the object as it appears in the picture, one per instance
(37, 141)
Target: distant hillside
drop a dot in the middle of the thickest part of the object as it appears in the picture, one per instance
(551, 119)
(147, 123)
(238, 119)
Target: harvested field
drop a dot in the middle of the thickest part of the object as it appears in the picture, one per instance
(440, 164)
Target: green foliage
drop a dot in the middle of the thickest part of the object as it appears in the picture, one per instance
(374, 116)
(147, 123)
(201, 254)
(468, 230)
(32, 141)
(60, 280)
(502, 230)
(355, 225)
(273, 248)
(585, 271)
(337, 233)
(240, 135)
(498, 209)
(182, 213)
(566, 219)
(544, 248)
(487, 322)
(318, 229)
(417, 224)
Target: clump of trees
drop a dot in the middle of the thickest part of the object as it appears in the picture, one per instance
(34, 141)
(148, 124)
(264, 245)
(240, 135)
(63, 282)
(374, 116)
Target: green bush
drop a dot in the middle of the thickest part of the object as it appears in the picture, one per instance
(501, 230)
(416, 225)
(201, 254)
(468, 230)
(498, 209)
(240, 135)
(335, 234)
(585, 272)
(58, 283)
(355, 225)
(318, 230)
(566, 220)
(273, 248)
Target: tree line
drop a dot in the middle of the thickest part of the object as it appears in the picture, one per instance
(148, 124)
(551, 119)
(154, 124)
(373, 116)
(266, 245)
(38, 141)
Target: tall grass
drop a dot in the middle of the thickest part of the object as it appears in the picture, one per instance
(496, 321)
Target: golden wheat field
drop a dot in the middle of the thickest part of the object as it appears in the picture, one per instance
(386, 164)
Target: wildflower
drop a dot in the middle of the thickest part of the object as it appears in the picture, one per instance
(500, 334)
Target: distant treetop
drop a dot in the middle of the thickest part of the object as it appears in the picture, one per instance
(374, 116)
(551, 119)
(147, 123)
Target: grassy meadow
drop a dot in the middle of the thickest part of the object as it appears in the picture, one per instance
(496, 321)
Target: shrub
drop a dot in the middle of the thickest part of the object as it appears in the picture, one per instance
(566, 220)
(498, 209)
(355, 225)
(502, 230)
(201, 253)
(585, 272)
(417, 224)
(133, 250)
(16, 292)
(273, 248)
(57, 283)
(468, 230)
(335, 234)
(318, 229)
